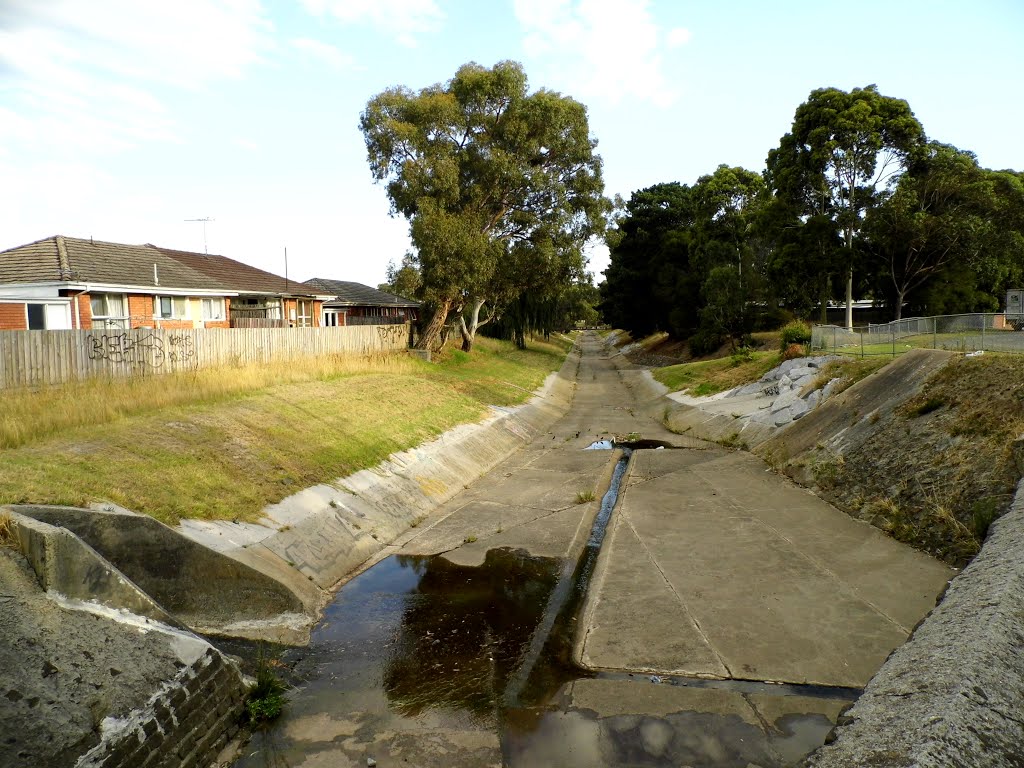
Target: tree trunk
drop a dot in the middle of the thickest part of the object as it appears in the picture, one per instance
(899, 304)
(469, 332)
(467, 335)
(432, 332)
(849, 300)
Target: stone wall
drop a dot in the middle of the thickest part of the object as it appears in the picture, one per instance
(185, 724)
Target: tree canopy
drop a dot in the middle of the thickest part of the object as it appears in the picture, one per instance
(855, 186)
(501, 187)
(842, 151)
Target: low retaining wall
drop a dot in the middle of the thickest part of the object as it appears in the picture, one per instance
(951, 695)
(185, 724)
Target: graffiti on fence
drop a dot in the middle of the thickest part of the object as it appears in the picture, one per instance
(392, 335)
(123, 349)
(183, 350)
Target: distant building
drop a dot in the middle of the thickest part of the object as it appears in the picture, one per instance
(358, 304)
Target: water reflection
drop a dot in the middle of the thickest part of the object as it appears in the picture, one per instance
(463, 631)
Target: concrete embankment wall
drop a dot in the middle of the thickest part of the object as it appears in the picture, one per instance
(953, 694)
(322, 534)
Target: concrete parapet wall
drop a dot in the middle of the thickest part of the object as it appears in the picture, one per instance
(951, 696)
(65, 564)
(185, 724)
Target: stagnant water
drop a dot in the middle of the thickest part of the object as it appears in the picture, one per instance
(416, 646)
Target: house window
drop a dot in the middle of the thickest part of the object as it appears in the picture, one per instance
(305, 318)
(213, 309)
(109, 310)
(169, 307)
(36, 317)
(334, 318)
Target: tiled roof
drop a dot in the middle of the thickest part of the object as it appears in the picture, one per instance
(95, 261)
(238, 276)
(357, 294)
(76, 260)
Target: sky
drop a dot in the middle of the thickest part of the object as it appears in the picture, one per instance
(124, 119)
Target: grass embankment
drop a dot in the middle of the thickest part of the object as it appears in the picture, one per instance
(221, 444)
(707, 377)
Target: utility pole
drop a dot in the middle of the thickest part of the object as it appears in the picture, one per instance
(204, 231)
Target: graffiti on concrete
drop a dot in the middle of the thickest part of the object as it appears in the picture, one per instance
(144, 351)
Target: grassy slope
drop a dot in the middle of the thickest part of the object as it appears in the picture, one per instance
(706, 377)
(942, 468)
(222, 444)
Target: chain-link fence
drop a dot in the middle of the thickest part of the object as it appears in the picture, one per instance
(959, 333)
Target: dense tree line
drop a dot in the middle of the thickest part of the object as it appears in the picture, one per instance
(855, 201)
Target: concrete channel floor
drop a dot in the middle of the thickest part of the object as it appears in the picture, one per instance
(714, 568)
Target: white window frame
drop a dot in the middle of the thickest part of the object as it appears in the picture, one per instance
(213, 309)
(107, 320)
(179, 308)
(304, 320)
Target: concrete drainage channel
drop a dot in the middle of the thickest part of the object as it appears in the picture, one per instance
(417, 648)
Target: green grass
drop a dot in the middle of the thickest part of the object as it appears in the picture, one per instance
(706, 377)
(210, 447)
(954, 342)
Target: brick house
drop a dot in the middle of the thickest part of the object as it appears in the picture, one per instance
(65, 282)
(358, 304)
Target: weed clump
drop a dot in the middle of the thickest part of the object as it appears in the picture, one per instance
(582, 497)
(265, 700)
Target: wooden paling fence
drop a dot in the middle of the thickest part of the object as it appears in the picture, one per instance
(32, 358)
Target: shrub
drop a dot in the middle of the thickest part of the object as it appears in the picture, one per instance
(795, 333)
(265, 700)
(791, 351)
(704, 342)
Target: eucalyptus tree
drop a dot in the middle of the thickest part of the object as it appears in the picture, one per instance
(483, 169)
(844, 151)
(939, 214)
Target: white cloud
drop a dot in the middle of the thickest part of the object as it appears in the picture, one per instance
(605, 49)
(89, 76)
(328, 55)
(405, 19)
(678, 36)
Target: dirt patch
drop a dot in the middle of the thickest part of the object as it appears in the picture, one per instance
(938, 468)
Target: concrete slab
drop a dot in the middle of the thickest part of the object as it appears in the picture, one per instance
(767, 573)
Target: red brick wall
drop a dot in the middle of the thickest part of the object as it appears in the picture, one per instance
(216, 324)
(13, 317)
(140, 308)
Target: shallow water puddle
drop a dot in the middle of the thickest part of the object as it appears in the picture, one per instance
(418, 662)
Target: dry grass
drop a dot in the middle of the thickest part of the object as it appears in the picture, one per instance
(223, 444)
(849, 371)
(32, 414)
(7, 535)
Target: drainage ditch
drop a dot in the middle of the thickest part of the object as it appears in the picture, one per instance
(418, 640)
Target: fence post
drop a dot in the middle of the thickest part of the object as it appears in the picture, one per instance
(984, 322)
(892, 334)
(861, 343)
(935, 333)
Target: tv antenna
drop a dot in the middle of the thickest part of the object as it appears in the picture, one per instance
(204, 231)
